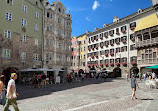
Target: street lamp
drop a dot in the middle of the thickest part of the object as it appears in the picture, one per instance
(155, 4)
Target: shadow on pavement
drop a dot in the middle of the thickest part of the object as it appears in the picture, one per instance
(147, 99)
(25, 91)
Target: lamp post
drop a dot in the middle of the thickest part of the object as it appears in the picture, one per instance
(155, 4)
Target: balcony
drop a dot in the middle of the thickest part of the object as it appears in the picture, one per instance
(92, 57)
(148, 42)
(148, 61)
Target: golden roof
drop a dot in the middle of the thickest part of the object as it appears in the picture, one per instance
(147, 22)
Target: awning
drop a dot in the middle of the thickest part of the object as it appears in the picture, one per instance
(38, 69)
(147, 22)
(153, 67)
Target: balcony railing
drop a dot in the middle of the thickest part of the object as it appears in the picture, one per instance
(148, 42)
(148, 61)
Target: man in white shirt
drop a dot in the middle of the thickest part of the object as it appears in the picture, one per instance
(11, 93)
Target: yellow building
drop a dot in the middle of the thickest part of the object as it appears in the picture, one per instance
(82, 52)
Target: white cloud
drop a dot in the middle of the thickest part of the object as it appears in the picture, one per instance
(95, 5)
(88, 19)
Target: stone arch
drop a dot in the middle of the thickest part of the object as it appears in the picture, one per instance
(135, 70)
(117, 72)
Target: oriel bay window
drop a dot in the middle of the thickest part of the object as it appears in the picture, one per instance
(112, 52)
(133, 60)
(146, 36)
(112, 42)
(111, 62)
(124, 39)
(106, 43)
(123, 29)
(132, 38)
(106, 34)
(124, 49)
(133, 25)
(111, 32)
(117, 41)
(101, 44)
(117, 31)
(117, 61)
(124, 61)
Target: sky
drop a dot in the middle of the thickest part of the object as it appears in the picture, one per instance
(90, 14)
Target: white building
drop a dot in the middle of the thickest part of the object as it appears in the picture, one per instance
(113, 46)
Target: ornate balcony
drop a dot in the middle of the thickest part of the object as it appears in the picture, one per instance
(148, 42)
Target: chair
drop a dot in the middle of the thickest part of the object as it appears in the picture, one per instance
(148, 83)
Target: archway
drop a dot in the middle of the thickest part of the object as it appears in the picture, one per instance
(117, 72)
(135, 70)
(7, 73)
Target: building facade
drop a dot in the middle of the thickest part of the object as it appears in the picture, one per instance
(147, 42)
(74, 54)
(57, 37)
(20, 34)
(113, 46)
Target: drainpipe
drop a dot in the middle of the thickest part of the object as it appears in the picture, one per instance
(43, 21)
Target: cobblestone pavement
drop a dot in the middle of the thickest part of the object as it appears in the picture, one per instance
(89, 95)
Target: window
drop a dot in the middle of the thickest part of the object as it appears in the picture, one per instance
(8, 16)
(36, 27)
(47, 42)
(132, 47)
(118, 50)
(111, 32)
(6, 52)
(59, 32)
(123, 28)
(36, 15)
(133, 25)
(36, 41)
(36, 57)
(84, 48)
(37, 3)
(59, 21)
(154, 54)
(47, 14)
(7, 34)
(23, 38)
(9, 2)
(24, 8)
(24, 22)
(59, 45)
(51, 15)
(23, 55)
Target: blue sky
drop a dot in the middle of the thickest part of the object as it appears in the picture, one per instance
(88, 14)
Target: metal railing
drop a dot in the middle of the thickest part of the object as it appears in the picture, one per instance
(148, 61)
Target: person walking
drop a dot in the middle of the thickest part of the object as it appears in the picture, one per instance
(133, 86)
(2, 90)
(127, 76)
(144, 76)
(11, 93)
(140, 75)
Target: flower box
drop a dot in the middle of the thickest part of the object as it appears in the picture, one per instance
(124, 41)
(111, 44)
(88, 65)
(123, 31)
(133, 63)
(101, 37)
(92, 56)
(106, 36)
(111, 34)
(117, 63)
(117, 42)
(117, 33)
(101, 46)
(101, 64)
(96, 47)
(106, 45)
(112, 64)
(96, 39)
(133, 39)
(111, 54)
(96, 56)
(96, 64)
(106, 55)
(92, 65)
(132, 28)
(124, 63)
(89, 49)
(92, 40)
(89, 41)
(106, 64)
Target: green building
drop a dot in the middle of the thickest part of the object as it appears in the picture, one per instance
(21, 33)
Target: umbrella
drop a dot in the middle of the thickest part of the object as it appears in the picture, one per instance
(153, 67)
